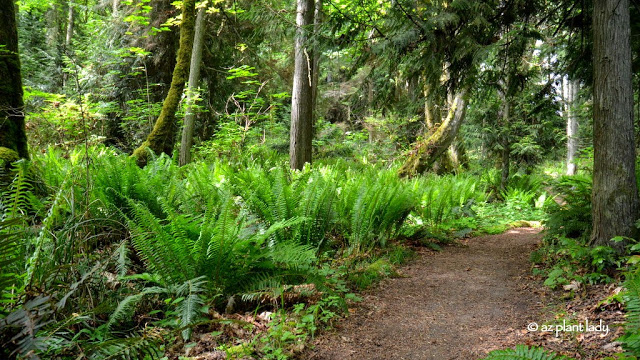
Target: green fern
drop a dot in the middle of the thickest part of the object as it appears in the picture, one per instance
(373, 208)
(127, 306)
(631, 338)
(221, 245)
(277, 195)
(10, 263)
(522, 352)
(131, 348)
(570, 215)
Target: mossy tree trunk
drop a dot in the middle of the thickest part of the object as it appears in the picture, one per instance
(13, 138)
(615, 194)
(194, 77)
(426, 152)
(162, 137)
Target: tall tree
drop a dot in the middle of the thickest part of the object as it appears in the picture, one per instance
(13, 138)
(162, 137)
(302, 94)
(194, 77)
(615, 193)
(317, 18)
(570, 91)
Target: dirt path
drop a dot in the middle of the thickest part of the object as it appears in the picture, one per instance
(449, 305)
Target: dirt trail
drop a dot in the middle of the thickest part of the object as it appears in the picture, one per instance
(453, 304)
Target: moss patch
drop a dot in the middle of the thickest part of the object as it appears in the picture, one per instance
(7, 156)
(370, 274)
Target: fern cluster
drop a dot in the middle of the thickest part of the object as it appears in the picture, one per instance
(522, 352)
(373, 207)
(570, 214)
(223, 245)
(631, 338)
(443, 198)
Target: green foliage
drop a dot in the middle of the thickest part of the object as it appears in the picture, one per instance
(372, 208)
(220, 245)
(566, 252)
(278, 194)
(569, 215)
(522, 352)
(9, 262)
(571, 260)
(22, 328)
(186, 299)
(287, 332)
(447, 198)
(129, 348)
(631, 298)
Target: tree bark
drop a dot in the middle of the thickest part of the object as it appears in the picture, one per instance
(68, 37)
(426, 152)
(615, 192)
(505, 162)
(428, 107)
(13, 138)
(162, 137)
(302, 97)
(70, 24)
(318, 17)
(570, 91)
(194, 77)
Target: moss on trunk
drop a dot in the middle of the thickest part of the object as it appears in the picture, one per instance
(426, 152)
(162, 137)
(13, 138)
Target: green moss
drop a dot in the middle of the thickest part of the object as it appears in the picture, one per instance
(239, 351)
(7, 156)
(399, 255)
(141, 154)
(370, 274)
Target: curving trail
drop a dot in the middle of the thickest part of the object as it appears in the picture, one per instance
(454, 304)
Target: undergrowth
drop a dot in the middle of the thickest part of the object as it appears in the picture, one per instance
(104, 259)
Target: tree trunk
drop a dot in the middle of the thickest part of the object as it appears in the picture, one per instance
(68, 37)
(194, 77)
(317, 16)
(570, 91)
(162, 137)
(70, 24)
(505, 164)
(506, 144)
(615, 192)
(426, 152)
(428, 107)
(13, 138)
(302, 97)
(114, 7)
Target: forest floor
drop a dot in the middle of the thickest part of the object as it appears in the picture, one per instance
(465, 301)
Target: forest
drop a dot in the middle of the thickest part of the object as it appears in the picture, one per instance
(319, 179)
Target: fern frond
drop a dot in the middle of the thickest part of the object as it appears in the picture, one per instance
(189, 308)
(130, 348)
(127, 306)
(522, 352)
